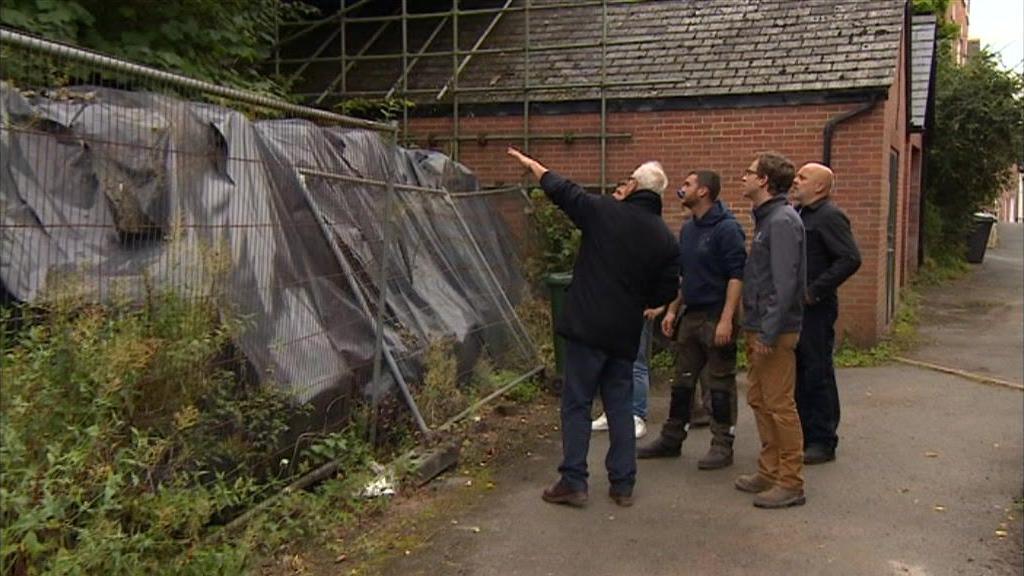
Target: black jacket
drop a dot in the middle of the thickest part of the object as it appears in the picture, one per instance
(775, 278)
(712, 251)
(628, 261)
(832, 254)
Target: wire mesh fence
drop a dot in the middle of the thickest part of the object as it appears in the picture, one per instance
(354, 270)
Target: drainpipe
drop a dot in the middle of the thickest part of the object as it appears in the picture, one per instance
(830, 126)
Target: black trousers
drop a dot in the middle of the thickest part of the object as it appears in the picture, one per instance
(817, 398)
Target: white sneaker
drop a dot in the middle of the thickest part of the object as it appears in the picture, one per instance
(639, 426)
(600, 424)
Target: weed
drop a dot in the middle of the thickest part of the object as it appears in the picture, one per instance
(127, 433)
(902, 335)
(441, 398)
(525, 392)
(664, 361)
(536, 316)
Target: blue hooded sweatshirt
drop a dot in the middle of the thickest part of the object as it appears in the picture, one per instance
(712, 251)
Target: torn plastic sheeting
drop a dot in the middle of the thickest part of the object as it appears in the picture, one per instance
(112, 186)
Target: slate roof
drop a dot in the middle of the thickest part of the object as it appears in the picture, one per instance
(922, 57)
(697, 47)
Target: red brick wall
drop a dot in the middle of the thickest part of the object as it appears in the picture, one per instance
(724, 140)
(897, 138)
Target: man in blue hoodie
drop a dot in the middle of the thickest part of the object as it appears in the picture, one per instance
(712, 256)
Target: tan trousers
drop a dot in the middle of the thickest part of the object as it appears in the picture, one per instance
(772, 379)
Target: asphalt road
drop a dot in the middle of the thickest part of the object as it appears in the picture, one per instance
(928, 468)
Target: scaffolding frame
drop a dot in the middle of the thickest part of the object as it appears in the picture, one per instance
(460, 58)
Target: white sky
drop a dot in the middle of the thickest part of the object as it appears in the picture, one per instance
(999, 24)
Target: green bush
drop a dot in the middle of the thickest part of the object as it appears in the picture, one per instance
(125, 434)
(559, 238)
(222, 41)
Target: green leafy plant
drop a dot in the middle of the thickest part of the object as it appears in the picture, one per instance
(559, 239)
(663, 362)
(976, 139)
(126, 433)
(525, 392)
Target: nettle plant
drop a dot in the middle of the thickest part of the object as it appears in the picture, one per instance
(125, 433)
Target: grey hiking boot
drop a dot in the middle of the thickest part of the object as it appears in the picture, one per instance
(668, 444)
(718, 456)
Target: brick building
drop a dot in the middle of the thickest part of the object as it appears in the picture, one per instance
(694, 84)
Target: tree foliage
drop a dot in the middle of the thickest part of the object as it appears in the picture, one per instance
(975, 140)
(222, 41)
(947, 31)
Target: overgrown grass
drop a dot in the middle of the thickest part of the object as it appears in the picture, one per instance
(127, 433)
(941, 268)
(536, 316)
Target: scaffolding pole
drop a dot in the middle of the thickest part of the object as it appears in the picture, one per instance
(72, 53)
(460, 58)
(604, 98)
(472, 51)
(454, 82)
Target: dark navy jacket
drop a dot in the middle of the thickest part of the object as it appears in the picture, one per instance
(628, 261)
(712, 251)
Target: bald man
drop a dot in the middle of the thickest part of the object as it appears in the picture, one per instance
(832, 257)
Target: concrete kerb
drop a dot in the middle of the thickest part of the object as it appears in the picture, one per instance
(981, 379)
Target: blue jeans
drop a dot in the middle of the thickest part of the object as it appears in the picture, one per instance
(642, 371)
(587, 372)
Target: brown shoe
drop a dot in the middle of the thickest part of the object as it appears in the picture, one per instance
(562, 493)
(779, 497)
(753, 483)
(718, 456)
(624, 499)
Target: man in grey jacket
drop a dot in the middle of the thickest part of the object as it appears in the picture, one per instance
(774, 283)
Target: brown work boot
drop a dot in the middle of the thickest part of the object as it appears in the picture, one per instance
(753, 483)
(562, 493)
(668, 444)
(718, 456)
(779, 497)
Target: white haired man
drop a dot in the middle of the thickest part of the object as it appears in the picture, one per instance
(628, 262)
